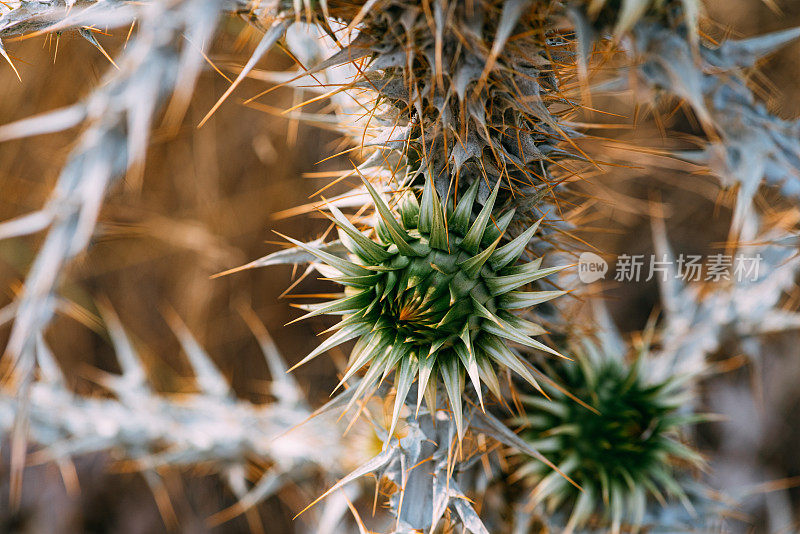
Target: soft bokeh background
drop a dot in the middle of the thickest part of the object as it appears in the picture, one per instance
(208, 202)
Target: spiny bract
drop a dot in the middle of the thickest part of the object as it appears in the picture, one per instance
(432, 297)
(467, 90)
(626, 450)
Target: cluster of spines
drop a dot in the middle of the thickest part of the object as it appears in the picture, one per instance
(455, 291)
(621, 447)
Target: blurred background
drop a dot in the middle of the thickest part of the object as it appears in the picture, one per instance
(209, 200)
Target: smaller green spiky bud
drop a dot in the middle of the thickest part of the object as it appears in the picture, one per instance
(432, 299)
(621, 446)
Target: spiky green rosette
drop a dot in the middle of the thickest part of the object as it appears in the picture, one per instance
(626, 451)
(432, 297)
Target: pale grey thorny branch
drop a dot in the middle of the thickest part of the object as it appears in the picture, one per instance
(155, 431)
(162, 60)
(699, 319)
(750, 145)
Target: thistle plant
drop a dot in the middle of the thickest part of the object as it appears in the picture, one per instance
(431, 296)
(623, 445)
(472, 111)
(446, 89)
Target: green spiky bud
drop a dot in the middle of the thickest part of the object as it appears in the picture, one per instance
(622, 447)
(432, 298)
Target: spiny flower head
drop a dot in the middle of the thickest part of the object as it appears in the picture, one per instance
(625, 448)
(465, 90)
(432, 297)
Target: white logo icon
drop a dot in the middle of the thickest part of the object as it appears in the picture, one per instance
(591, 267)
